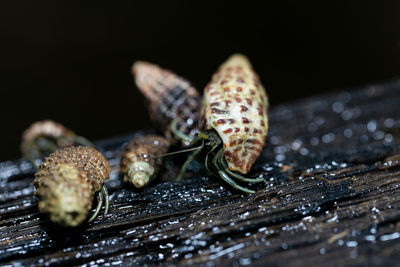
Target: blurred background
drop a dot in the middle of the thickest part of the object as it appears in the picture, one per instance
(70, 61)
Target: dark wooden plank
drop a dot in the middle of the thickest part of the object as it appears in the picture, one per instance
(331, 197)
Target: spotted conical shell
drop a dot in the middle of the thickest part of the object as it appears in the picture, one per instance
(235, 105)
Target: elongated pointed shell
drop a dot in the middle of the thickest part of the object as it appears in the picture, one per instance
(66, 182)
(235, 105)
(137, 163)
(169, 97)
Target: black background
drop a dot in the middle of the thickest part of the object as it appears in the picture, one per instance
(70, 60)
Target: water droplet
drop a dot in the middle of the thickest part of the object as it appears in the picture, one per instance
(347, 115)
(389, 123)
(327, 138)
(348, 133)
(351, 244)
(371, 126)
(337, 107)
(314, 141)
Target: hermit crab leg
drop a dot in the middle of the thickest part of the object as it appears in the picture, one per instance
(227, 179)
(218, 142)
(222, 164)
(99, 205)
(181, 135)
(206, 162)
(185, 165)
(104, 192)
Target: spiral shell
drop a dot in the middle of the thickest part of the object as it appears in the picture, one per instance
(169, 97)
(46, 129)
(235, 105)
(138, 163)
(66, 182)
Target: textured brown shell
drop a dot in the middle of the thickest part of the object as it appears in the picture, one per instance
(64, 194)
(169, 97)
(235, 105)
(85, 159)
(45, 128)
(143, 149)
(66, 182)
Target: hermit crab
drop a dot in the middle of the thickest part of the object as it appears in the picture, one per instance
(140, 161)
(67, 181)
(174, 104)
(234, 122)
(47, 136)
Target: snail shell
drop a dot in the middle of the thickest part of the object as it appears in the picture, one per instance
(235, 105)
(169, 97)
(46, 129)
(66, 182)
(138, 163)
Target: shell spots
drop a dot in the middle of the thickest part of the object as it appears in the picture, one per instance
(215, 104)
(218, 111)
(245, 120)
(247, 103)
(236, 141)
(243, 109)
(253, 141)
(214, 93)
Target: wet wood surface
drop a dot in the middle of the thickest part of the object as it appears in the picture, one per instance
(331, 196)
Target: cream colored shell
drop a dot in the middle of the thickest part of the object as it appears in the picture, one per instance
(235, 105)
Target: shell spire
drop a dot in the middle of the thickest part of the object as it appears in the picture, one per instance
(235, 105)
(170, 97)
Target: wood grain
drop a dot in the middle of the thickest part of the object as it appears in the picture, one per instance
(331, 197)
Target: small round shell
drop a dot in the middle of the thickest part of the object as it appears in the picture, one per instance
(169, 97)
(235, 105)
(138, 163)
(66, 182)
